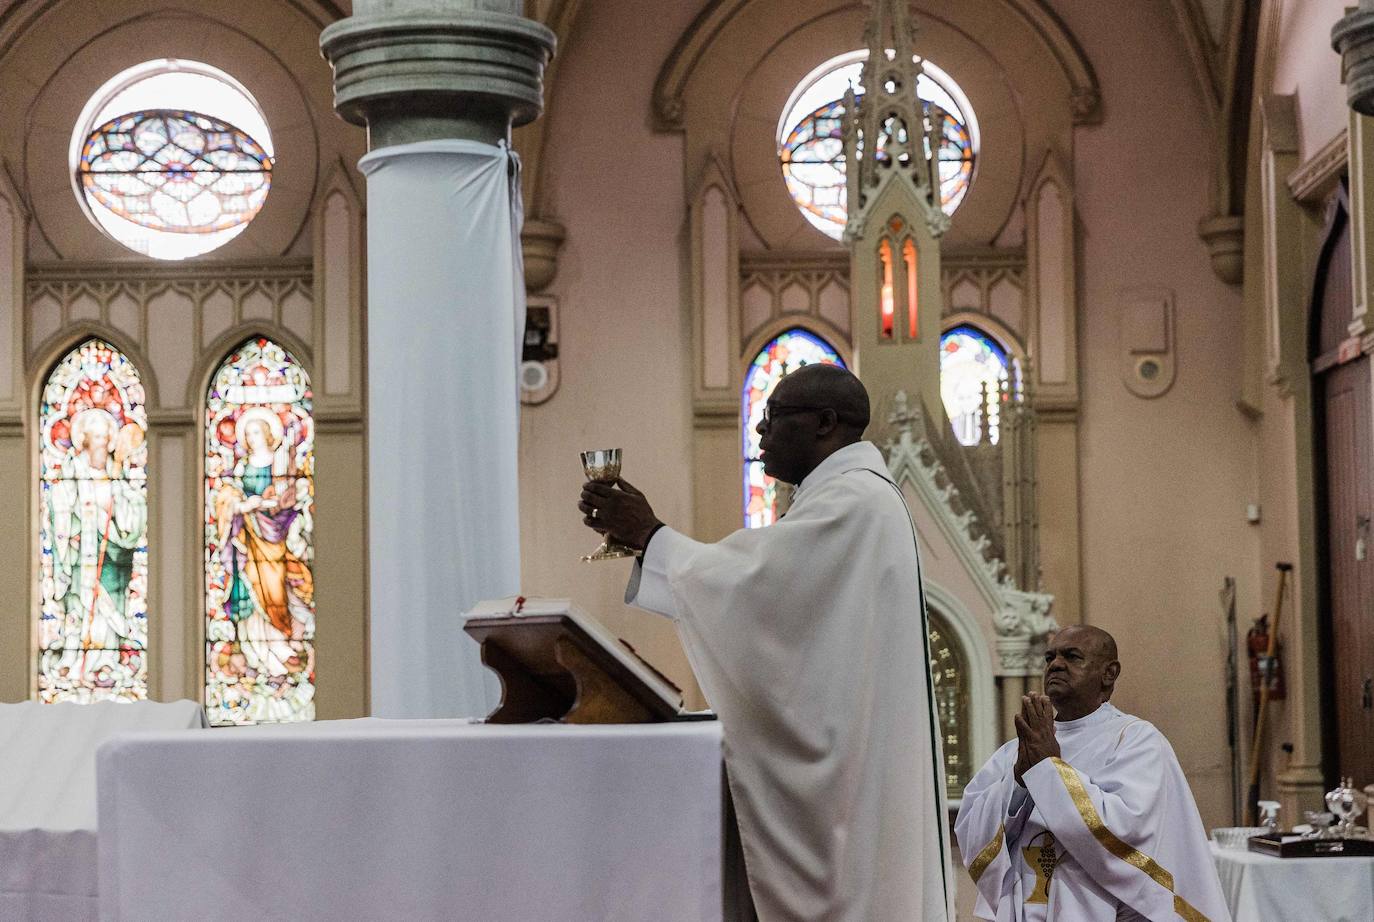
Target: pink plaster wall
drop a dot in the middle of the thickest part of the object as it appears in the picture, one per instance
(1306, 65)
(1165, 481)
(624, 347)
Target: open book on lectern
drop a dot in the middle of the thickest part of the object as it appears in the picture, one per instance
(553, 656)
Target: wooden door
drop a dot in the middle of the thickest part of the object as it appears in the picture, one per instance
(1350, 558)
(1345, 412)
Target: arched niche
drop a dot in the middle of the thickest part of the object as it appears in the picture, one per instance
(753, 53)
(265, 53)
(962, 631)
(49, 352)
(217, 350)
(817, 326)
(1005, 336)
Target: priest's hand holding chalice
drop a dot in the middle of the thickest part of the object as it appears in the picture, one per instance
(613, 508)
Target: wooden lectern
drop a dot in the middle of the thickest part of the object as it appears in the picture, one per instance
(556, 663)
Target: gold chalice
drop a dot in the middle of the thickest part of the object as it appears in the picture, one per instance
(603, 466)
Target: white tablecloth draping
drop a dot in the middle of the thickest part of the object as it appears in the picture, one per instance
(1262, 888)
(414, 820)
(48, 856)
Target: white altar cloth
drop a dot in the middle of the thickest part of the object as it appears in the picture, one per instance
(1262, 888)
(48, 800)
(414, 819)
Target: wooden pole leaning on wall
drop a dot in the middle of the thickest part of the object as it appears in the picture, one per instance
(1267, 675)
(1228, 607)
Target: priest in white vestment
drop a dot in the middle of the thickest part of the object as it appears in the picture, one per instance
(809, 639)
(1086, 815)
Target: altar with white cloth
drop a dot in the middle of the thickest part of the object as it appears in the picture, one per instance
(1264, 888)
(48, 836)
(416, 819)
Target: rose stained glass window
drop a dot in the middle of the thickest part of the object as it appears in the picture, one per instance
(93, 529)
(811, 140)
(180, 172)
(973, 369)
(786, 352)
(172, 159)
(259, 539)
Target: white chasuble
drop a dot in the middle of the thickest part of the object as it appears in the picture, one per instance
(810, 642)
(1107, 831)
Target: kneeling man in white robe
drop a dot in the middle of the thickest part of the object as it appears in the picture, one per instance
(809, 638)
(1086, 815)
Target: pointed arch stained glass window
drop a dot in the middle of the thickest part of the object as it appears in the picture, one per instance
(811, 139)
(949, 675)
(259, 539)
(93, 529)
(973, 369)
(785, 352)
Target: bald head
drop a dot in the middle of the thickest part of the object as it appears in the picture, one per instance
(812, 413)
(828, 387)
(1090, 637)
(1081, 669)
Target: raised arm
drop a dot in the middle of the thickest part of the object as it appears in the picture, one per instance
(991, 817)
(648, 587)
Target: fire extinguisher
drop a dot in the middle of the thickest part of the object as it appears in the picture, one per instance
(1265, 669)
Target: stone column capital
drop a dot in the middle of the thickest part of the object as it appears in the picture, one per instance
(1353, 37)
(542, 238)
(423, 70)
(1224, 236)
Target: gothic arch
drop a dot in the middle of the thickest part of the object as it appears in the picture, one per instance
(982, 681)
(213, 355)
(817, 326)
(23, 15)
(61, 88)
(1056, 39)
(1005, 336)
(50, 352)
(728, 84)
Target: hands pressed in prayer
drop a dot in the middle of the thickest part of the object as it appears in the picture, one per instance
(1036, 740)
(622, 513)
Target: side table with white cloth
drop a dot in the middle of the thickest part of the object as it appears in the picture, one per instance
(1265, 888)
(415, 819)
(48, 836)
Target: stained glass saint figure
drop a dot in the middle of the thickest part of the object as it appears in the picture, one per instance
(93, 529)
(259, 539)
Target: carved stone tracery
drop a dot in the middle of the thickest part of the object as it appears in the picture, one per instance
(917, 454)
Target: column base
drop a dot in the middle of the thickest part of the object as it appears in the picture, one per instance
(1300, 789)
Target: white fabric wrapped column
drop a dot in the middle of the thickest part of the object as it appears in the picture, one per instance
(446, 311)
(439, 83)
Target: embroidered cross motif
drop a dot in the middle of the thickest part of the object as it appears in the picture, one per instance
(1042, 859)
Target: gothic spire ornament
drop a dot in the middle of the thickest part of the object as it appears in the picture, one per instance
(887, 131)
(895, 217)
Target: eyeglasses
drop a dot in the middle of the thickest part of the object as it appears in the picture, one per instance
(773, 410)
